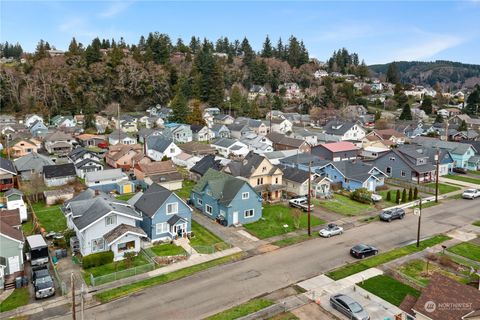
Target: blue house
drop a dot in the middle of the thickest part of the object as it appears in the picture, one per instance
(165, 215)
(38, 129)
(219, 194)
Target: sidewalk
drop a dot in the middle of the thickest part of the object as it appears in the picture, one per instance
(458, 182)
(5, 294)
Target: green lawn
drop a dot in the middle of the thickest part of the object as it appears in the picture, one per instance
(476, 223)
(242, 310)
(18, 298)
(187, 187)
(344, 205)
(463, 178)
(167, 249)
(417, 269)
(474, 172)
(51, 217)
(274, 217)
(204, 241)
(112, 267)
(467, 249)
(443, 188)
(138, 286)
(382, 258)
(293, 240)
(388, 289)
(393, 195)
(125, 197)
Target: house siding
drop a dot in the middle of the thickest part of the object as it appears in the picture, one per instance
(11, 248)
(160, 216)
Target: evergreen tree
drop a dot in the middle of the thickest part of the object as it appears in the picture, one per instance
(236, 99)
(393, 75)
(362, 70)
(463, 126)
(378, 115)
(248, 54)
(389, 196)
(73, 48)
(473, 101)
(217, 87)
(427, 105)
(254, 112)
(196, 117)
(438, 118)
(406, 112)
(179, 107)
(92, 53)
(267, 50)
(410, 194)
(398, 198)
(194, 45)
(259, 72)
(415, 193)
(404, 196)
(280, 51)
(40, 50)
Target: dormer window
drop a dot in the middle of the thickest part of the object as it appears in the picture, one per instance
(111, 220)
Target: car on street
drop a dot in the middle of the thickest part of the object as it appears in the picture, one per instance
(361, 251)
(392, 214)
(471, 194)
(349, 307)
(43, 284)
(331, 230)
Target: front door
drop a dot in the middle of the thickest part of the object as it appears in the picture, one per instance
(13, 264)
(235, 217)
(370, 186)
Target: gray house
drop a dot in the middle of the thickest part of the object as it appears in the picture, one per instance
(165, 215)
(11, 246)
(31, 163)
(178, 132)
(59, 174)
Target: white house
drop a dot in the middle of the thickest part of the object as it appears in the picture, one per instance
(59, 174)
(257, 143)
(158, 147)
(319, 74)
(230, 147)
(31, 118)
(345, 130)
(103, 223)
(105, 179)
(120, 137)
(201, 133)
(15, 201)
(186, 160)
(284, 126)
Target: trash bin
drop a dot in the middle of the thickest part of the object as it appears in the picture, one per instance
(18, 282)
(25, 281)
(64, 253)
(58, 253)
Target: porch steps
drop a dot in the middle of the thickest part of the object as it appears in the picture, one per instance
(185, 244)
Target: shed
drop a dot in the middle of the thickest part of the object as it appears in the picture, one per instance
(124, 187)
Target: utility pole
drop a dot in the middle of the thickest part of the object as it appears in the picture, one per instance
(437, 160)
(271, 116)
(82, 303)
(74, 317)
(309, 195)
(419, 222)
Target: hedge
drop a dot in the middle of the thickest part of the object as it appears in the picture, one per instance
(97, 259)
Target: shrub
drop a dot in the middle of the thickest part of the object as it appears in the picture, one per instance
(415, 193)
(389, 196)
(410, 194)
(97, 259)
(361, 195)
(397, 199)
(404, 196)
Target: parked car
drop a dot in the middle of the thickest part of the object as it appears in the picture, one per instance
(349, 307)
(460, 170)
(471, 194)
(103, 145)
(376, 197)
(361, 251)
(43, 284)
(39, 272)
(300, 203)
(391, 214)
(331, 230)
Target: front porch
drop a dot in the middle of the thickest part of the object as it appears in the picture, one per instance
(423, 177)
(178, 227)
(271, 193)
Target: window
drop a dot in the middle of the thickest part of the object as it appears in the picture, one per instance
(161, 227)
(97, 245)
(208, 209)
(264, 169)
(209, 192)
(259, 181)
(402, 173)
(111, 220)
(389, 170)
(126, 246)
(249, 213)
(172, 150)
(199, 201)
(172, 208)
(245, 195)
(392, 158)
(276, 180)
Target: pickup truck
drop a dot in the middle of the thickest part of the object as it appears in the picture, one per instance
(300, 203)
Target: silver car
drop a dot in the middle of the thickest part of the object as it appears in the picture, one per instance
(331, 230)
(349, 307)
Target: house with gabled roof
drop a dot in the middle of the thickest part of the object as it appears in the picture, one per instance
(257, 143)
(63, 121)
(31, 164)
(260, 173)
(201, 133)
(104, 223)
(178, 132)
(158, 147)
(283, 142)
(165, 216)
(202, 166)
(11, 247)
(90, 140)
(59, 174)
(225, 119)
(38, 129)
(296, 183)
(389, 134)
(197, 148)
(345, 130)
(59, 143)
(21, 147)
(7, 174)
(336, 151)
(125, 156)
(238, 130)
(120, 137)
(31, 118)
(220, 131)
(230, 148)
(255, 91)
(220, 196)
(258, 126)
(164, 173)
(14, 199)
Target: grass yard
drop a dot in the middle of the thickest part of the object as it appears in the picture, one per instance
(274, 217)
(467, 249)
(187, 187)
(140, 285)
(112, 267)
(443, 188)
(167, 249)
(382, 258)
(204, 241)
(463, 178)
(344, 205)
(242, 310)
(125, 197)
(18, 298)
(417, 269)
(476, 223)
(51, 218)
(393, 195)
(293, 240)
(388, 289)
(477, 173)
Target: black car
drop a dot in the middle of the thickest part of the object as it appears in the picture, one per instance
(391, 214)
(43, 283)
(361, 251)
(460, 170)
(349, 307)
(39, 272)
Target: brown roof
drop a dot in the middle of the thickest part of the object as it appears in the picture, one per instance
(197, 148)
(9, 231)
(88, 136)
(167, 177)
(117, 151)
(120, 230)
(452, 299)
(387, 133)
(11, 217)
(160, 167)
(279, 138)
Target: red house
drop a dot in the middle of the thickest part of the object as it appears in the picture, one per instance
(7, 174)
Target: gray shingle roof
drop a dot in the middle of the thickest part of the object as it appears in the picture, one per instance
(294, 174)
(338, 127)
(120, 230)
(33, 161)
(247, 166)
(7, 165)
(152, 199)
(224, 142)
(224, 187)
(453, 147)
(59, 170)
(158, 143)
(205, 163)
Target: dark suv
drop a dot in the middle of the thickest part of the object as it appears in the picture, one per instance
(391, 214)
(43, 283)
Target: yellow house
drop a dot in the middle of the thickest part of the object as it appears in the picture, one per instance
(23, 147)
(262, 175)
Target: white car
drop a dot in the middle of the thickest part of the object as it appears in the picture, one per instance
(471, 194)
(376, 197)
(331, 230)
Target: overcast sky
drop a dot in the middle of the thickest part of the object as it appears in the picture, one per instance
(379, 31)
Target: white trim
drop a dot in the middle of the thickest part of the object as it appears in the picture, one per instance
(175, 207)
(128, 232)
(121, 214)
(16, 240)
(245, 213)
(243, 195)
(211, 209)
